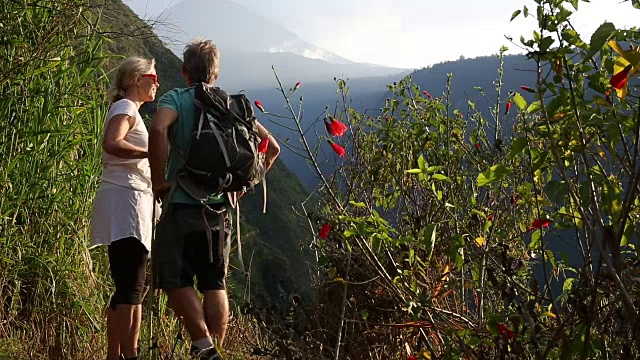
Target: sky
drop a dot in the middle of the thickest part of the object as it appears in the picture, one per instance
(414, 33)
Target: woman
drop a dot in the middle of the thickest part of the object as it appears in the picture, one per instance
(123, 206)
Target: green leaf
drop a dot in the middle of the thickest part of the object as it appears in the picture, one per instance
(517, 146)
(414, 171)
(546, 43)
(432, 169)
(636, 3)
(364, 314)
(421, 163)
(526, 11)
(534, 245)
(599, 38)
(357, 204)
(495, 173)
(568, 284)
(440, 177)
(350, 232)
(574, 3)
(534, 107)
(556, 190)
(429, 239)
(515, 14)
(572, 37)
(521, 103)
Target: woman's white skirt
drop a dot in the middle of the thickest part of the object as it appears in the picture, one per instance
(120, 212)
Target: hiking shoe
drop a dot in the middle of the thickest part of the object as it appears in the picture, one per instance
(204, 354)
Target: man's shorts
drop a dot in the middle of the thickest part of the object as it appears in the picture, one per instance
(182, 252)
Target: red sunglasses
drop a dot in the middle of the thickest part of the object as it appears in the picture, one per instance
(153, 77)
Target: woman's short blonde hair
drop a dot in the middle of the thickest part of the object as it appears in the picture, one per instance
(201, 61)
(126, 75)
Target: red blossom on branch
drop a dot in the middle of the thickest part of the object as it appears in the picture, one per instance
(504, 330)
(490, 217)
(259, 105)
(539, 223)
(297, 86)
(412, 357)
(619, 80)
(334, 127)
(426, 93)
(477, 145)
(324, 231)
(527, 89)
(264, 144)
(337, 149)
(507, 108)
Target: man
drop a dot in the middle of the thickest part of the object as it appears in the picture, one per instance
(182, 249)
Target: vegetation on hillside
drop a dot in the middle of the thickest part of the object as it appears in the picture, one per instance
(439, 229)
(50, 90)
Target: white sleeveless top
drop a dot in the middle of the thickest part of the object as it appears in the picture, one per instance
(132, 173)
(123, 205)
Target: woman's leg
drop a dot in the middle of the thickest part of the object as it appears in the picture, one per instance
(128, 325)
(113, 340)
(128, 258)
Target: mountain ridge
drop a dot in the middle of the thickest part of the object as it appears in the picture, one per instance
(250, 44)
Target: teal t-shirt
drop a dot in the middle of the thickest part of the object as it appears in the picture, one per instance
(181, 100)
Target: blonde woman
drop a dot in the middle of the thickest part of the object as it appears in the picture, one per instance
(123, 206)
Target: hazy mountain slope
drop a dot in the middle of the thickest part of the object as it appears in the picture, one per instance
(471, 73)
(250, 44)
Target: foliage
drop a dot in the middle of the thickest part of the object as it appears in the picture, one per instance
(439, 233)
(50, 86)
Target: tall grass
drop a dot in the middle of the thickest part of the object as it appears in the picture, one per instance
(51, 112)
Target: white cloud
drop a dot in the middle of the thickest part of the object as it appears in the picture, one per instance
(416, 33)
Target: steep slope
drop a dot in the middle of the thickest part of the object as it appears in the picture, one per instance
(275, 235)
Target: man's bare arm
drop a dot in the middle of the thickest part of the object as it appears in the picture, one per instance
(159, 148)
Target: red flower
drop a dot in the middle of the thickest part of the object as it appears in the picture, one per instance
(490, 217)
(539, 223)
(337, 149)
(264, 144)
(527, 89)
(514, 199)
(297, 86)
(411, 357)
(507, 108)
(259, 105)
(334, 127)
(619, 80)
(503, 330)
(477, 145)
(426, 93)
(324, 231)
